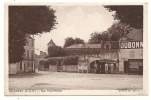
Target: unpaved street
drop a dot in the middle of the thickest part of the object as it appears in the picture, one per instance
(75, 81)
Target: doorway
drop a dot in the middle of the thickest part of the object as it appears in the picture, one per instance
(102, 67)
(140, 70)
(126, 66)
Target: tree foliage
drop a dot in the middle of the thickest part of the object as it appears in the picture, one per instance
(97, 37)
(70, 41)
(55, 51)
(114, 33)
(129, 14)
(29, 20)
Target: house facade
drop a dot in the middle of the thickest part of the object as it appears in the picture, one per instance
(27, 64)
(131, 53)
(123, 56)
(103, 57)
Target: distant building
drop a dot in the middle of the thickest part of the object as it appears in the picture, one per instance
(50, 44)
(123, 56)
(101, 56)
(27, 64)
(37, 58)
(42, 55)
(84, 51)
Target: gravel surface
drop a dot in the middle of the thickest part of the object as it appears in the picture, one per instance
(75, 81)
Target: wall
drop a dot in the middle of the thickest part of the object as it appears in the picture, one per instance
(13, 68)
(65, 68)
(53, 68)
(109, 54)
(127, 53)
(29, 46)
(41, 67)
(70, 68)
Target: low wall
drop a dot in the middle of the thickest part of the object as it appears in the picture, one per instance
(53, 68)
(70, 68)
(41, 67)
(65, 68)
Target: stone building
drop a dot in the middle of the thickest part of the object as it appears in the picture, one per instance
(103, 57)
(27, 64)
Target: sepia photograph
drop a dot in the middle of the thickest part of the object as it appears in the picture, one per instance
(76, 49)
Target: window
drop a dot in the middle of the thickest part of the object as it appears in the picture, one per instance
(32, 53)
(20, 65)
(27, 64)
(132, 54)
(32, 43)
(107, 47)
(27, 54)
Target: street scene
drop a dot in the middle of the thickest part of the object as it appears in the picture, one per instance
(75, 47)
(75, 81)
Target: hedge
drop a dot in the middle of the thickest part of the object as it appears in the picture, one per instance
(43, 62)
(55, 60)
(67, 60)
(70, 60)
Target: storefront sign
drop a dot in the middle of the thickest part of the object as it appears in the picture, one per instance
(131, 45)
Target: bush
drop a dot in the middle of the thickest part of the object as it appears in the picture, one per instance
(68, 60)
(43, 62)
(54, 60)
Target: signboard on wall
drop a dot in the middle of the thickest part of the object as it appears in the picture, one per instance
(131, 44)
(83, 65)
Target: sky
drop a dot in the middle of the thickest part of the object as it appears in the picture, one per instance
(77, 21)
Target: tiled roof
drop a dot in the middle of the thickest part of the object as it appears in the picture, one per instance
(114, 45)
(85, 46)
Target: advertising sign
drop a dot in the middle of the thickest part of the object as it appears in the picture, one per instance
(131, 44)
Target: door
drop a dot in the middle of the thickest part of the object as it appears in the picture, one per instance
(140, 70)
(102, 69)
(126, 66)
(133, 66)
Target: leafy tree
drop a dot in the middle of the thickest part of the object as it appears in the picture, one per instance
(29, 20)
(129, 14)
(70, 41)
(97, 37)
(55, 51)
(118, 30)
(114, 33)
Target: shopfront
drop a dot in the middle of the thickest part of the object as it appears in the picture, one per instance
(131, 57)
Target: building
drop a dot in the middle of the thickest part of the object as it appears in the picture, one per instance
(103, 57)
(84, 51)
(37, 58)
(27, 64)
(131, 53)
(50, 44)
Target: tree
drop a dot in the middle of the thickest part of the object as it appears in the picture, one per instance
(55, 51)
(70, 41)
(118, 30)
(29, 20)
(129, 14)
(97, 37)
(114, 33)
